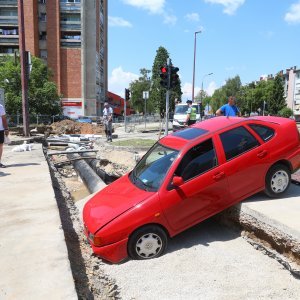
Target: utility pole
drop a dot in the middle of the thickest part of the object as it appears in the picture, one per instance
(23, 59)
(194, 66)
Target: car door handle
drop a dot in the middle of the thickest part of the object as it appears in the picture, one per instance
(262, 153)
(218, 175)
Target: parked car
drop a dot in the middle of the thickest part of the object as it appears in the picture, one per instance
(180, 114)
(188, 176)
(84, 119)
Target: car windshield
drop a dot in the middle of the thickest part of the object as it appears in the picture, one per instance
(151, 170)
(182, 109)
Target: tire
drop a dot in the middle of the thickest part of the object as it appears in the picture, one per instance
(278, 180)
(147, 242)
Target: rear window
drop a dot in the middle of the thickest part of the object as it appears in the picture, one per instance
(190, 133)
(266, 133)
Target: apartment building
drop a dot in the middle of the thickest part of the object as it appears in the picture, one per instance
(292, 90)
(71, 37)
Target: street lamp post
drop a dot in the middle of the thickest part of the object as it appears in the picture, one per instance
(201, 94)
(195, 47)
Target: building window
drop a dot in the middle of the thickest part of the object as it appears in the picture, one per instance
(70, 1)
(10, 12)
(42, 1)
(70, 17)
(43, 17)
(43, 35)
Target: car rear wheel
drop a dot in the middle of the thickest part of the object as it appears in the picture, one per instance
(278, 180)
(147, 242)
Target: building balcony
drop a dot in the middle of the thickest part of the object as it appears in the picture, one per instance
(43, 44)
(70, 7)
(42, 26)
(70, 25)
(8, 21)
(9, 3)
(9, 40)
(70, 43)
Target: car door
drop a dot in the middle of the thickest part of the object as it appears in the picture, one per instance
(246, 162)
(203, 192)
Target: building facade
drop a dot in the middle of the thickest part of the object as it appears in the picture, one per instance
(71, 37)
(292, 90)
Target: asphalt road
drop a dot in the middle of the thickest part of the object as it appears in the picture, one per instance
(205, 262)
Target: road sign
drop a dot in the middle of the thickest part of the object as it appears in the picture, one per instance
(146, 95)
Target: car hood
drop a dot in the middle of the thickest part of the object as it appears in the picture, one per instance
(112, 201)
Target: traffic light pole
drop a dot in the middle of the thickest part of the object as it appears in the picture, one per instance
(169, 63)
(24, 78)
(125, 125)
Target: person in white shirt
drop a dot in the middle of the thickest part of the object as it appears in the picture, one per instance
(3, 131)
(107, 120)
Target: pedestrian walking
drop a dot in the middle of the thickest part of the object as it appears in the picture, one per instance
(107, 120)
(3, 131)
(230, 109)
(191, 114)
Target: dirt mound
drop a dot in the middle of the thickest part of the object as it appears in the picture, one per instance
(72, 127)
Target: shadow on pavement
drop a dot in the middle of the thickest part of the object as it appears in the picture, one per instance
(2, 174)
(22, 165)
(203, 233)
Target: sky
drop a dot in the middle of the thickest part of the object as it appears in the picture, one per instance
(249, 38)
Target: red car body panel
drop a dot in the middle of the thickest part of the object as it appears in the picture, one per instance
(117, 211)
(112, 202)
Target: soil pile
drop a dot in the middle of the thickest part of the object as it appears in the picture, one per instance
(72, 127)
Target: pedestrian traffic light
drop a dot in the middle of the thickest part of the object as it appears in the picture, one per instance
(127, 94)
(174, 77)
(164, 82)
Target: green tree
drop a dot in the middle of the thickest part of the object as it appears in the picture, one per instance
(42, 92)
(232, 87)
(285, 112)
(277, 100)
(137, 88)
(158, 93)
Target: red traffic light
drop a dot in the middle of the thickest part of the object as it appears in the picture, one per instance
(163, 70)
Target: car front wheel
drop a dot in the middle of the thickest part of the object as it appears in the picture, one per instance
(278, 180)
(147, 242)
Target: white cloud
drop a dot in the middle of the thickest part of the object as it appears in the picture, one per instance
(194, 17)
(211, 88)
(187, 91)
(293, 15)
(153, 6)
(230, 6)
(169, 19)
(118, 22)
(119, 80)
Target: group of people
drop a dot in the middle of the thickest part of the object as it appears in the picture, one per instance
(229, 110)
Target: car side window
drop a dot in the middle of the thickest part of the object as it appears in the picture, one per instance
(266, 133)
(197, 160)
(237, 141)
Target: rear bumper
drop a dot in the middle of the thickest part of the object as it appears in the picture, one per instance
(114, 253)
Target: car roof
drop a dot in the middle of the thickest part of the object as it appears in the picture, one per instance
(176, 141)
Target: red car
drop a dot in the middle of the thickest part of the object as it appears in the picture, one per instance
(188, 176)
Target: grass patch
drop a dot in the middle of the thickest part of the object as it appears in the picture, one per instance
(135, 143)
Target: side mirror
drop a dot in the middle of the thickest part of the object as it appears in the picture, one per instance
(177, 181)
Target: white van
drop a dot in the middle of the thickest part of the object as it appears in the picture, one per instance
(180, 115)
